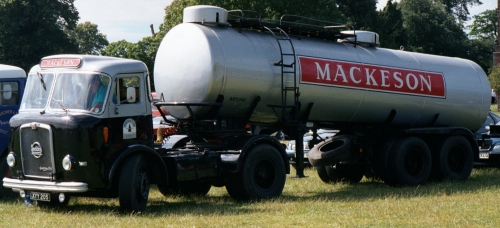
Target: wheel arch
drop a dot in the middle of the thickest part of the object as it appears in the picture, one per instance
(245, 144)
(157, 169)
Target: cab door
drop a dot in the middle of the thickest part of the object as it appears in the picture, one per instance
(130, 111)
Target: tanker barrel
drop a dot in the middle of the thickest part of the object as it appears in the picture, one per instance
(345, 74)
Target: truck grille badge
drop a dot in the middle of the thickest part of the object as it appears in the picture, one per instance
(36, 150)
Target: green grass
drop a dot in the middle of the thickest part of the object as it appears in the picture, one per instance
(305, 202)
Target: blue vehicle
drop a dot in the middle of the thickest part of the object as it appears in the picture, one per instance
(12, 81)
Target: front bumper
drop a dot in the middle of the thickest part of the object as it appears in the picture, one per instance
(45, 186)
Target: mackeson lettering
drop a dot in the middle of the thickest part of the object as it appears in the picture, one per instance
(371, 77)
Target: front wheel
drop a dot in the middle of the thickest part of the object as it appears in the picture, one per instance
(134, 184)
(262, 175)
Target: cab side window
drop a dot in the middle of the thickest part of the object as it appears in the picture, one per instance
(128, 90)
(9, 92)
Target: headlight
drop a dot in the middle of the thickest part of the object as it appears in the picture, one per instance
(67, 162)
(496, 149)
(11, 159)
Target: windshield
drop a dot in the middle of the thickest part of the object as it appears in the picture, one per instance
(37, 91)
(72, 91)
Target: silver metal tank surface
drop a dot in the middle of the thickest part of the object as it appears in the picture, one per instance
(346, 83)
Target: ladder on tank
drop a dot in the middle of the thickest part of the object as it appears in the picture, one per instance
(288, 69)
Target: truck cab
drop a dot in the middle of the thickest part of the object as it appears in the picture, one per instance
(12, 80)
(81, 116)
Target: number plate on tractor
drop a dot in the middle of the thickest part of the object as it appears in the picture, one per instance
(484, 155)
(40, 196)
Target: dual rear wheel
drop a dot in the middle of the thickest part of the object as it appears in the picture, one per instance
(409, 162)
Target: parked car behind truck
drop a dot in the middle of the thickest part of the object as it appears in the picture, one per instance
(12, 80)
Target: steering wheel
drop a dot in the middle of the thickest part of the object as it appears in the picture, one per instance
(40, 101)
(97, 107)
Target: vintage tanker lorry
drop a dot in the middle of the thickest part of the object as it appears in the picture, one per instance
(402, 115)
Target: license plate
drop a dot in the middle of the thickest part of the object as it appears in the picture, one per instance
(40, 196)
(484, 155)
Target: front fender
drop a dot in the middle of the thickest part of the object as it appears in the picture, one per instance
(157, 168)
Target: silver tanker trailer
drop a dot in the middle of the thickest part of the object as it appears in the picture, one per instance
(85, 126)
(402, 115)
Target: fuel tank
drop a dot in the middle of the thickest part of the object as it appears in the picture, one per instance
(205, 57)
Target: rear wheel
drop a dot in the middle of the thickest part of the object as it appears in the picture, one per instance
(262, 175)
(409, 162)
(454, 159)
(134, 184)
(351, 174)
(381, 167)
(323, 175)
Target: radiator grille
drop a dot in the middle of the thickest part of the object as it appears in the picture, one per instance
(37, 150)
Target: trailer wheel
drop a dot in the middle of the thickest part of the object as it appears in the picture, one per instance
(4, 170)
(381, 167)
(454, 159)
(323, 175)
(262, 175)
(134, 184)
(351, 174)
(410, 160)
(187, 190)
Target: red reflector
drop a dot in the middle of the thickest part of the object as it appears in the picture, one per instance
(105, 134)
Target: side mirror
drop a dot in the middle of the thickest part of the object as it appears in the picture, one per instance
(130, 94)
(7, 91)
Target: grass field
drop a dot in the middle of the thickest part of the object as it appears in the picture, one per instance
(305, 202)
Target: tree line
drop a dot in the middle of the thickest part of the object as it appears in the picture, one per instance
(32, 29)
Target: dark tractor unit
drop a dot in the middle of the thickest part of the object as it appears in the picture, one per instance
(66, 142)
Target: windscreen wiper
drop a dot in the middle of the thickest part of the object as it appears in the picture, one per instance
(60, 104)
(41, 80)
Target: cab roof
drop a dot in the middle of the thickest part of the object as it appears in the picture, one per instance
(8, 71)
(105, 64)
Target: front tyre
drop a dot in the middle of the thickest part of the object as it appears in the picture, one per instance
(134, 184)
(262, 176)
